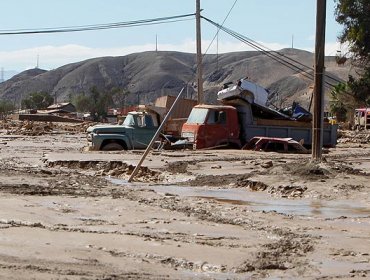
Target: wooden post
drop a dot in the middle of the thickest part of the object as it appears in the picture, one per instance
(136, 170)
(318, 97)
(199, 55)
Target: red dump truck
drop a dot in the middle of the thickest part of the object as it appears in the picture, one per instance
(215, 126)
(244, 115)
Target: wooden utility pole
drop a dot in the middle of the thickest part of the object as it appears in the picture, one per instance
(199, 56)
(318, 97)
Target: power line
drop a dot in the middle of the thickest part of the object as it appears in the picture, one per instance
(123, 24)
(255, 45)
(218, 29)
(281, 58)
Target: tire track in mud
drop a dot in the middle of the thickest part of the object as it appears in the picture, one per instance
(146, 236)
(290, 247)
(172, 262)
(85, 269)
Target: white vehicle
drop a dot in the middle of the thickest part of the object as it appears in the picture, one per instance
(362, 118)
(249, 91)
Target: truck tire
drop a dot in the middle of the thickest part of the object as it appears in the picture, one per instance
(112, 147)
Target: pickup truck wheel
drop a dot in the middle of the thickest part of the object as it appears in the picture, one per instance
(112, 147)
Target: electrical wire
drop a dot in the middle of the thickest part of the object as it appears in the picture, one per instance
(92, 27)
(218, 29)
(281, 58)
(255, 46)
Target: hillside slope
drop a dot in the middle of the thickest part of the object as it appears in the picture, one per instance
(148, 75)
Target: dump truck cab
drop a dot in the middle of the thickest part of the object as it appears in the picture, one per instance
(210, 126)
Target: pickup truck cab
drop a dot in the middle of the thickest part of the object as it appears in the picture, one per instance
(135, 132)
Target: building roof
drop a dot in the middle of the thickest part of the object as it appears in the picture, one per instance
(59, 105)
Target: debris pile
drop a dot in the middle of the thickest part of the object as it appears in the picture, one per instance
(29, 128)
(352, 136)
(79, 127)
(8, 124)
(34, 128)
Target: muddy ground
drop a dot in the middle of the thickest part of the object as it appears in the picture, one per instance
(67, 213)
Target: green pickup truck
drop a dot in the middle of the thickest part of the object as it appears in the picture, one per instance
(135, 132)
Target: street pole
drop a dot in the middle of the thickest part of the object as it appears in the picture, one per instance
(199, 55)
(318, 97)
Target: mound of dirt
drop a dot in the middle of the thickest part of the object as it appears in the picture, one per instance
(177, 167)
(116, 169)
(308, 170)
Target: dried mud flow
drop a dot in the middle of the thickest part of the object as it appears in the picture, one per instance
(227, 214)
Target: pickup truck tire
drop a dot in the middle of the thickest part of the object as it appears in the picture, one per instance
(112, 147)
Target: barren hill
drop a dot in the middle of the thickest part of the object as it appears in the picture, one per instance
(148, 75)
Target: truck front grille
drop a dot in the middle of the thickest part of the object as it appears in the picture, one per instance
(188, 135)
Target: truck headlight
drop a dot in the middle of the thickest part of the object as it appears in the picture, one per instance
(89, 137)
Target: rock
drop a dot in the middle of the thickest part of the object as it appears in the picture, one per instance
(267, 164)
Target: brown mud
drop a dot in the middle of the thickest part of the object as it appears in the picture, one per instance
(63, 217)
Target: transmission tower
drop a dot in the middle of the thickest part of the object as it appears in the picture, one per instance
(2, 75)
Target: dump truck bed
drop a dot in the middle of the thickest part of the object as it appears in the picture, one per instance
(295, 132)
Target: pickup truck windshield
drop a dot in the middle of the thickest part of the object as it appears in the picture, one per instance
(129, 120)
(197, 115)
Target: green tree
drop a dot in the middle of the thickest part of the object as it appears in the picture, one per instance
(37, 100)
(360, 87)
(119, 97)
(340, 100)
(83, 103)
(354, 15)
(5, 108)
(96, 103)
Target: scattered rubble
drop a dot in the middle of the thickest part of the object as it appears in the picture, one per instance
(34, 128)
(353, 136)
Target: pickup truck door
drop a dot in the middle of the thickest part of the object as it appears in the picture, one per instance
(143, 132)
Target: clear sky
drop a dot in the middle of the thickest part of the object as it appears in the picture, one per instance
(271, 22)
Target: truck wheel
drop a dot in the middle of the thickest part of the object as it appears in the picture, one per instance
(112, 147)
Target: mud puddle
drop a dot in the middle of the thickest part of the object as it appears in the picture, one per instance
(261, 201)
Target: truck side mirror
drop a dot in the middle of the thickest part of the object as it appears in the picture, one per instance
(221, 117)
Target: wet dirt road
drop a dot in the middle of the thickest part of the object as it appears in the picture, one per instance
(69, 214)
